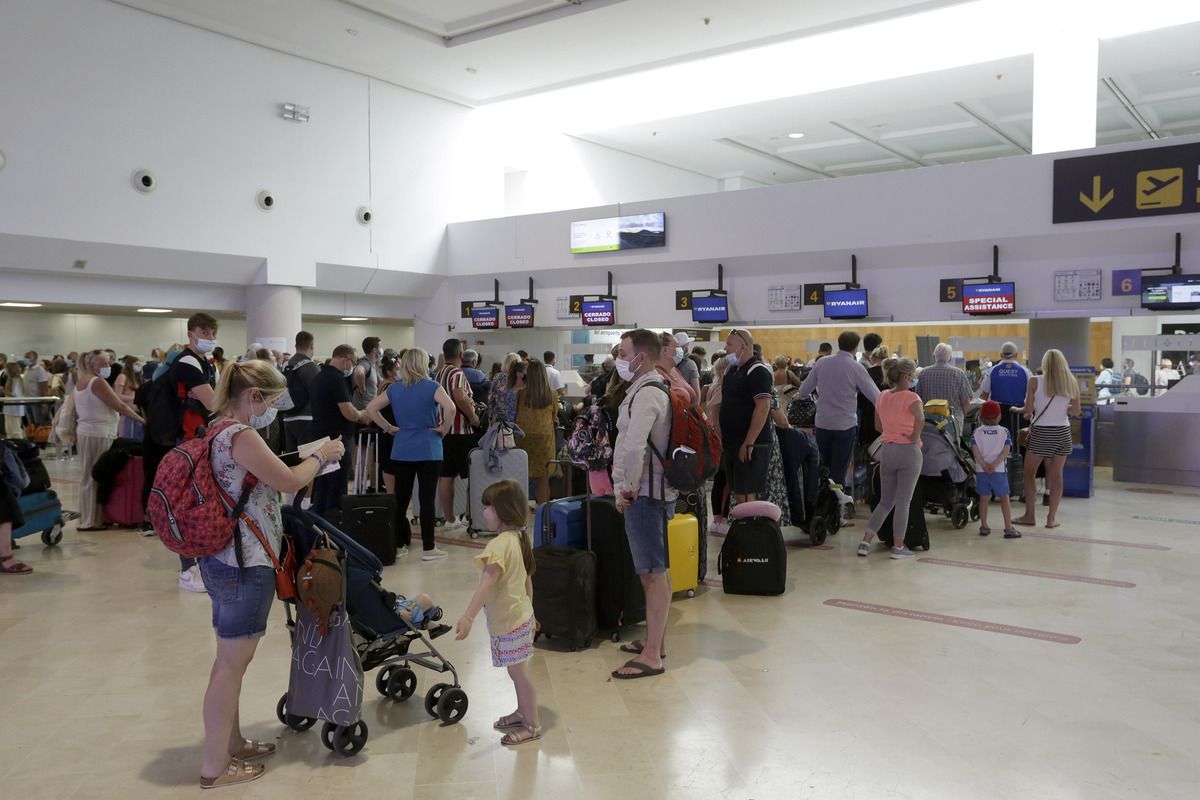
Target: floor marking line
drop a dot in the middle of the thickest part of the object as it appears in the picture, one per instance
(1169, 519)
(1035, 573)
(958, 622)
(460, 542)
(1088, 540)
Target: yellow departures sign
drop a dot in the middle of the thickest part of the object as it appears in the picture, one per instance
(1096, 202)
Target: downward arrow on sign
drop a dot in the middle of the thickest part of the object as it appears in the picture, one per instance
(1096, 203)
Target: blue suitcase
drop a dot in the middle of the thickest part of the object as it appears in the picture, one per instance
(561, 523)
(43, 514)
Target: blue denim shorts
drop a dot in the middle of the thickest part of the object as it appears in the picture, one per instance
(239, 607)
(991, 483)
(646, 529)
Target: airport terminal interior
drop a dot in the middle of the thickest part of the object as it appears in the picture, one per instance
(998, 191)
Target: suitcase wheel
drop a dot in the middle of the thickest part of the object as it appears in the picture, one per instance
(474, 534)
(53, 536)
(691, 592)
(291, 720)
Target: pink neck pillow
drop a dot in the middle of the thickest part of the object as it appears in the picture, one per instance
(756, 508)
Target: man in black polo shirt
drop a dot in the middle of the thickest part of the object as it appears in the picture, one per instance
(301, 371)
(745, 404)
(334, 415)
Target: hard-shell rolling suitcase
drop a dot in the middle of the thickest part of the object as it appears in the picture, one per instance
(916, 535)
(564, 594)
(461, 494)
(43, 514)
(369, 519)
(562, 522)
(696, 504)
(683, 553)
(620, 599)
(753, 558)
(510, 464)
(124, 506)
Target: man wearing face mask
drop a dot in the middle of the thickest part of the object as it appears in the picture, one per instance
(687, 367)
(669, 358)
(333, 415)
(745, 405)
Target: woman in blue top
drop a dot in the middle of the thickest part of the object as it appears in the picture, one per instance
(417, 442)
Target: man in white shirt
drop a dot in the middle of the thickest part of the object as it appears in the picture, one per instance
(557, 385)
(37, 384)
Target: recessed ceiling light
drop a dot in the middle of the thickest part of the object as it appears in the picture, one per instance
(1195, 73)
(154, 311)
(796, 135)
(355, 319)
(351, 31)
(471, 70)
(11, 304)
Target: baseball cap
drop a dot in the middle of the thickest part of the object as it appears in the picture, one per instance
(990, 410)
(1008, 349)
(683, 340)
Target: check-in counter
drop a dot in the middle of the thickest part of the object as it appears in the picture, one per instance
(1158, 438)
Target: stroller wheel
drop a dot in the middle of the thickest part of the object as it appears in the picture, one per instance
(959, 516)
(349, 739)
(381, 679)
(433, 696)
(817, 531)
(453, 706)
(975, 511)
(401, 684)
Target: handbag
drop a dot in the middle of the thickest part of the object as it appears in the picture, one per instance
(326, 680)
(65, 420)
(1023, 433)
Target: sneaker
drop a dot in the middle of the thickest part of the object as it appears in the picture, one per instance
(456, 525)
(190, 580)
(402, 551)
(902, 552)
(864, 549)
(433, 555)
(147, 530)
(719, 528)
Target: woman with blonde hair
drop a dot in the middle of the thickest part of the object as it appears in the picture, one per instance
(416, 401)
(97, 409)
(1050, 398)
(536, 408)
(242, 585)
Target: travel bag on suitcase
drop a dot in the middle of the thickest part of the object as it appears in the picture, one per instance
(561, 522)
(683, 553)
(369, 519)
(753, 558)
(124, 506)
(564, 594)
(916, 535)
(511, 464)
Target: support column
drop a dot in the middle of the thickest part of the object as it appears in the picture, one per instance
(272, 316)
(1066, 64)
(1071, 335)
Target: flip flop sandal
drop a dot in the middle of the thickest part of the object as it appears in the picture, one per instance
(636, 647)
(14, 567)
(237, 772)
(1012, 534)
(985, 531)
(643, 671)
(523, 735)
(513, 720)
(253, 751)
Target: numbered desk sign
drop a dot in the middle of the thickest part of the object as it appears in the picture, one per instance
(1126, 282)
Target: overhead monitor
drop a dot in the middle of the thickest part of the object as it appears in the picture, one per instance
(980, 299)
(710, 310)
(599, 313)
(846, 303)
(519, 316)
(1171, 293)
(630, 232)
(485, 318)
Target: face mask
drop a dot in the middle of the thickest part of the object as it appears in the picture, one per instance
(678, 356)
(70, 362)
(104, 373)
(259, 421)
(624, 370)
(137, 367)
(346, 373)
(206, 345)
(912, 383)
(731, 359)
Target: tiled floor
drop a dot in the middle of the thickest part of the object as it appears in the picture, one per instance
(104, 662)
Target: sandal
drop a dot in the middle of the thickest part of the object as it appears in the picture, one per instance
(523, 735)
(636, 647)
(513, 720)
(11, 566)
(641, 670)
(252, 750)
(237, 772)
(985, 531)
(1012, 533)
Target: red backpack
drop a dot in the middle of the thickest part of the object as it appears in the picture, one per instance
(192, 514)
(694, 449)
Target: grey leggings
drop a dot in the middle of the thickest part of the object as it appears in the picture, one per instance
(899, 469)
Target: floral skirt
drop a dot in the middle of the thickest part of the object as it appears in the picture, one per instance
(513, 647)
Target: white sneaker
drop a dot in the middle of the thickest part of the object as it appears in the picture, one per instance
(433, 555)
(456, 525)
(902, 552)
(190, 580)
(402, 551)
(147, 530)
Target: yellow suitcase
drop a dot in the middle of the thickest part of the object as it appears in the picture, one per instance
(683, 547)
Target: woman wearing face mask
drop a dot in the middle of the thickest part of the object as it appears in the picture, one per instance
(900, 417)
(98, 408)
(242, 598)
(669, 357)
(126, 387)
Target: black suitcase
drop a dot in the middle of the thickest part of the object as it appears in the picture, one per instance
(753, 558)
(564, 594)
(369, 519)
(620, 598)
(916, 536)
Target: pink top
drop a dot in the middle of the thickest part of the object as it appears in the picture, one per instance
(895, 412)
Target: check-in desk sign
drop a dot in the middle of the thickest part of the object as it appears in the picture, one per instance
(1135, 183)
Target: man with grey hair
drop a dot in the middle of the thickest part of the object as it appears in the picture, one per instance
(944, 381)
(480, 385)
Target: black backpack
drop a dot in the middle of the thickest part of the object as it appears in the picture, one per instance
(1140, 383)
(297, 388)
(753, 558)
(163, 410)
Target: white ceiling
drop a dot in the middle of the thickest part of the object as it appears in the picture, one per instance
(482, 51)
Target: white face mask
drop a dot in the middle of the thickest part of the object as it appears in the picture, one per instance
(731, 359)
(678, 356)
(624, 369)
(259, 421)
(206, 345)
(104, 373)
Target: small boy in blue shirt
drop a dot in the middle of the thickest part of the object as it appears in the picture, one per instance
(990, 445)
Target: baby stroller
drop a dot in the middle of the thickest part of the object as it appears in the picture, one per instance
(947, 472)
(381, 637)
(812, 501)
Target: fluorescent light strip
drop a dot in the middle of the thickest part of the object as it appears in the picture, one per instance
(154, 311)
(355, 319)
(12, 304)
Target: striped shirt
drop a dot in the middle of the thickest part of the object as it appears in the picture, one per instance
(451, 377)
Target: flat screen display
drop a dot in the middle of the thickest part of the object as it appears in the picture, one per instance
(1171, 293)
(485, 318)
(710, 309)
(519, 316)
(989, 298)
(846, 303)
(631, 232)
(602, 313)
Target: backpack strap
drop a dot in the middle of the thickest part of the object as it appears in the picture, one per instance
(652, 450)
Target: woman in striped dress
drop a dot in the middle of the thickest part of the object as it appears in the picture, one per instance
(1049, 399)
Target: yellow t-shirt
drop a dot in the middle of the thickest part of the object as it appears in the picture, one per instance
(507, 605)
